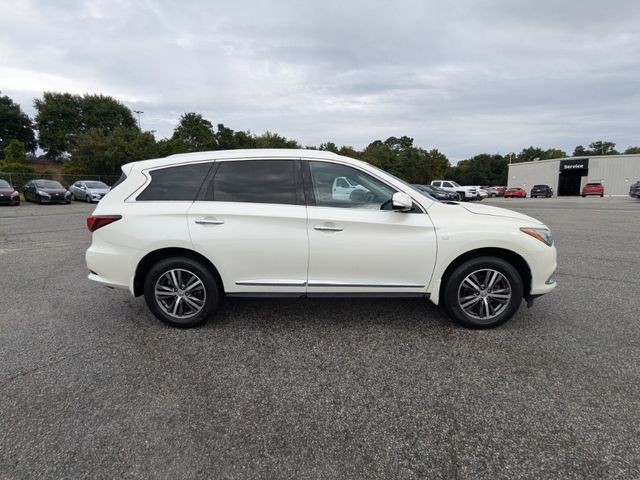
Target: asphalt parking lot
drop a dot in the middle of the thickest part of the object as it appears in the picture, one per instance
(92, 386)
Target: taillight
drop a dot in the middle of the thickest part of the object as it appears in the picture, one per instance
(94, 222)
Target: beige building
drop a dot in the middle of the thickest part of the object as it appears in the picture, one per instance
(567, 176)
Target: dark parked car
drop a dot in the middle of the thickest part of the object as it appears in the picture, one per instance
(595, 188)
(437, 192)
(8, 194)
(541, 191)
(46, 191)
(634, 191)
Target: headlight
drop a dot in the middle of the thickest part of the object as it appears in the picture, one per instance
(542, 234)
(43, 194)
(15, 194)
(67, 194)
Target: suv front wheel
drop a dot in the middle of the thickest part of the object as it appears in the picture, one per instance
(483, 292)
(181, 292)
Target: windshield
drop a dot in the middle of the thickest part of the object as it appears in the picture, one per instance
(96, 185)
(455, 184)
(4, 184)
(48, 184)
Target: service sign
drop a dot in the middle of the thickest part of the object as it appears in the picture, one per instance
(578, 164)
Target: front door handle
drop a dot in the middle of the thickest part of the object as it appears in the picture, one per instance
(209, 221)
(328, 228)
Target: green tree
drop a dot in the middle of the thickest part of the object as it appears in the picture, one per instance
(194, 133)
(14, 152)
(400, 157)
(62, 117)
(105, 113)
(596, 148)
(15, 125)
(554, 153)
(273, 140)
(603, 148)
(483, 169)
(531, 153)
(632, 150)
(96, 153)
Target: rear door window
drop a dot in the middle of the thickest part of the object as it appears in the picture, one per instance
(179, 183)
(255, 181)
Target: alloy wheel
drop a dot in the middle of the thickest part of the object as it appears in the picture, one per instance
(484, 294)
(180, 293)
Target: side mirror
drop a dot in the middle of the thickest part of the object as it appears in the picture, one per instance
(401, 202)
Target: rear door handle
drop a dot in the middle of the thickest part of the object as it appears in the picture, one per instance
(209, 221)
(328, 228)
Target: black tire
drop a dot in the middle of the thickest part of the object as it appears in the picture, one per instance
(453, 285)
(601, 195)
(87, 197)
(211, 289)
(38, 200)
(461, 197)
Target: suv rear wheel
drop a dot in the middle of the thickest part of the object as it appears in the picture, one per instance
(181, 292)
(483, 292)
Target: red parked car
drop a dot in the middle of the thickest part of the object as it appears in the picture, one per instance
(515, 192)
(593, 189)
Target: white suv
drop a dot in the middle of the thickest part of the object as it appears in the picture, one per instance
(186, 230)
(464, 193)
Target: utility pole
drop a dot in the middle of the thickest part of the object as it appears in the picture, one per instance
(138, 112)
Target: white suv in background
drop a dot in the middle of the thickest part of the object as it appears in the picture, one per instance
(464, 193)
(186, 230)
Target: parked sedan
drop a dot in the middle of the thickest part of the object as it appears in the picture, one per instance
(8, 194)
(437, 192)
(541, 191)
(495, 191)
(515, 192)
(595, 188)
(89, 190)
(46, 191)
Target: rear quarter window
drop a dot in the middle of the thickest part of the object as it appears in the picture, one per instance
(179, 183)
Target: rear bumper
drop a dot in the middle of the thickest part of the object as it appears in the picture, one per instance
(111, 267)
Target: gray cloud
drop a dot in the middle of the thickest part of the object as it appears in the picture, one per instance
(465, 77)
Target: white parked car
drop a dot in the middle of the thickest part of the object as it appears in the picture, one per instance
(186, 230)
(464, 193)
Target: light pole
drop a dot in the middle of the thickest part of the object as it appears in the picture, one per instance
(138, 112)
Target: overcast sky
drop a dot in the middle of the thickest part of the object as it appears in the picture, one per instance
(465, 77)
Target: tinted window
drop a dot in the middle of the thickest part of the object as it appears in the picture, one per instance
(175, 183)
(364, 191)
(96, 185)
(48, 184)
(255, 181)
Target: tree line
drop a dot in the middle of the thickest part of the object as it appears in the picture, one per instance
(97, 134)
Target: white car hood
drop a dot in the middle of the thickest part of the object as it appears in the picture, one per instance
(499, 212)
